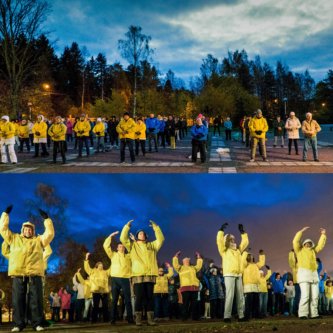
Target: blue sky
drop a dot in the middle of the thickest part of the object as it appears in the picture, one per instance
(189, 208)
(297, 32)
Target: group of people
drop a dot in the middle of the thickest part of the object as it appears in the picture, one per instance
(184, 289)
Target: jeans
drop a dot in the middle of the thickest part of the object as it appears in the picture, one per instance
(59, 146)
(189, 304)
(310, 142)
(119, 284)
(97, 297)
(141, 143)
(152, 136)
(161, 302)
(81, 140)
(263, 299)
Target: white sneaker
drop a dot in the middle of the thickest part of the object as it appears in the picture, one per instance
(39, 328)
(16, 329)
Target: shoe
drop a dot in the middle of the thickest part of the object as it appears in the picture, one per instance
(316, 160)
(16, 329)
(303, 317)
(242, 319)
(16, 162)
(297, 153)
(304, 160)
(265, 159)
(227, 320)
(282, 146)
(316, 317)
(274, 146)
(289, 153)
(113, 322)
(39, 328)
(252, 160)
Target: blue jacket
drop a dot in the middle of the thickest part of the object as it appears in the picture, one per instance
(199, 132)
(228, 124)
(153, 125)
(162, 126)
(278, 285)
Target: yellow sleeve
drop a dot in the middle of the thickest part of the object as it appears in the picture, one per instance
(244, 242)
(87, 267)
(107, 247)
(297, 242)
(268, 275)
(80, 278)
(175, 264)
(118, 128)
(198, 266)
(47, 254)
(262, 260)
(124, 237)
(244, 261)
(132, 127)
(170, 273)
(220, 242)
(6, 234)
(321, 243)
(48, 234)
(5, 249)
(292, 260)
(157, 244)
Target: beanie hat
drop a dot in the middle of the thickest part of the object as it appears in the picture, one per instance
(308, 240)
(5, 118)
(99, 119)
(137, 234)
(29, 225)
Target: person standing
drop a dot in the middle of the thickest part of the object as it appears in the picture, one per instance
(82, 129)
(57, 132)
(217, 125)
(232, 269)
(112, 130)
(143, 256)
(120, 277)
(99, 130)
(292, 126)
(140, 137)
(258, 128)
(170, 129)
(23, 135)
(278, 127)
(126, 130)
(26, 268)
(69, 130)
(307, 275)
(310, 128)
(153, 127)
(7, 135)
(228, 128)
(199, 134)
(39, 131)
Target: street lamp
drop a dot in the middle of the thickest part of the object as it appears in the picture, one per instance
(46, 86)
(30, 110)
(285, 99)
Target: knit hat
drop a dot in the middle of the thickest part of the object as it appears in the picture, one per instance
(308, 240)
(29, 225)
(5, 118)
(99, 119)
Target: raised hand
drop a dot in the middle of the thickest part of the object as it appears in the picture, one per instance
(305, 228)
(322, 231)
(43, 214)
(177, 254)
(9, 209)
(114, 233)
(87, 255)
(241, 228)
(152, 223)
(167, 264)
(224, 226)
(132, 237)
(79, 270)
(197, 254)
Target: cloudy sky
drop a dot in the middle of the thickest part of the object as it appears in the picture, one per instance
(189, 208)
(297, 32)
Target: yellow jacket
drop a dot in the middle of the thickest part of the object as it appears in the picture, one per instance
(251, 274)
(5, 249)
(258, 124)
(293, 265)
(23, 131)
(120, 262)
(310, 128)
(99, 128)
(7, 130)
(161, 285)
(306, 257)
(26, 254)
(99, 278)
(86, 285)
(57, 132)
(187, 274)
(143, 255)
(3, 295)
(329, 291)
(82, 126)
(46, 255)
(231, 259)
(140, 128)
(263, 282)
(41, 128)
(128, 126)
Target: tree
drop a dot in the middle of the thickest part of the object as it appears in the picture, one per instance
(20, 23)
(135, 48)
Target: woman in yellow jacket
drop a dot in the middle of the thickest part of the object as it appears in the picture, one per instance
(87, 294)
(251, 283)
(189, 283)
(23, 135)
(161, 293)
(232, 269)
(57, 132)
(126, 130)
(99, 284)
(329, 296)
(144, 267)
(99, 130)
(258, 127)
(7, 140)
(82, 129)
(263, 291)
(39, 131)
(140, 137)
(307, 275)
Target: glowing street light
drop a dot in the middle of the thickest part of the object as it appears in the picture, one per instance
(46, 86)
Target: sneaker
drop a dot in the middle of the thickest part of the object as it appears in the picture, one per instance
(265, 159)
(227, 320)
(303, 317)
(39, 328)
(243, 319)
(16, 329)
(252, 160)
(304, 160)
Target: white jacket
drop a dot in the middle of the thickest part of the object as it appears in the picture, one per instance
(292, 126)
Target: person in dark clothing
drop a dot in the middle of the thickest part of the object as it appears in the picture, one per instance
(112, 130)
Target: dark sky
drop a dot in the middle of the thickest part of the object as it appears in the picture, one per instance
(297, 32)
(189, 208)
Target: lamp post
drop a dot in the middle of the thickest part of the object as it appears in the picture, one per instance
(30, 110)
(285, 99)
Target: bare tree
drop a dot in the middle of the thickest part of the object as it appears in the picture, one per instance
(20, 22)
(134, 49)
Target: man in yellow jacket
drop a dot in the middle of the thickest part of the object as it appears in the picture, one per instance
(57, 132)
(7, 140)
(99, 130)
(258, 127)
(23, 135)
(39, 131)
(126, 130)
(120, 273)
(82, 129)
(232, 269)
(310, 128)
(26, 268)
(140, 137)
(143, 256)
(307, 275)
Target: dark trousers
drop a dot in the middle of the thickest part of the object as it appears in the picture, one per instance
(44, 151)
(161, 309)
(83, 140)
(114, 138)
(129, 143)
(161, 136)
(118, 284)
(55, 313)
(144, 295)
(100, 143)
(141, 143)
(173, 310)
(96, 299)
(189, 307)
(251, 305)
(59, 146)
(217, 129)
(228, 134)
(79, 306)
(69, 137)
(216, 308)
(28, 299)
(247, 139)
(152, 136)
(279, 302)
(25, 141)
(290, 142)
(198, 145)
